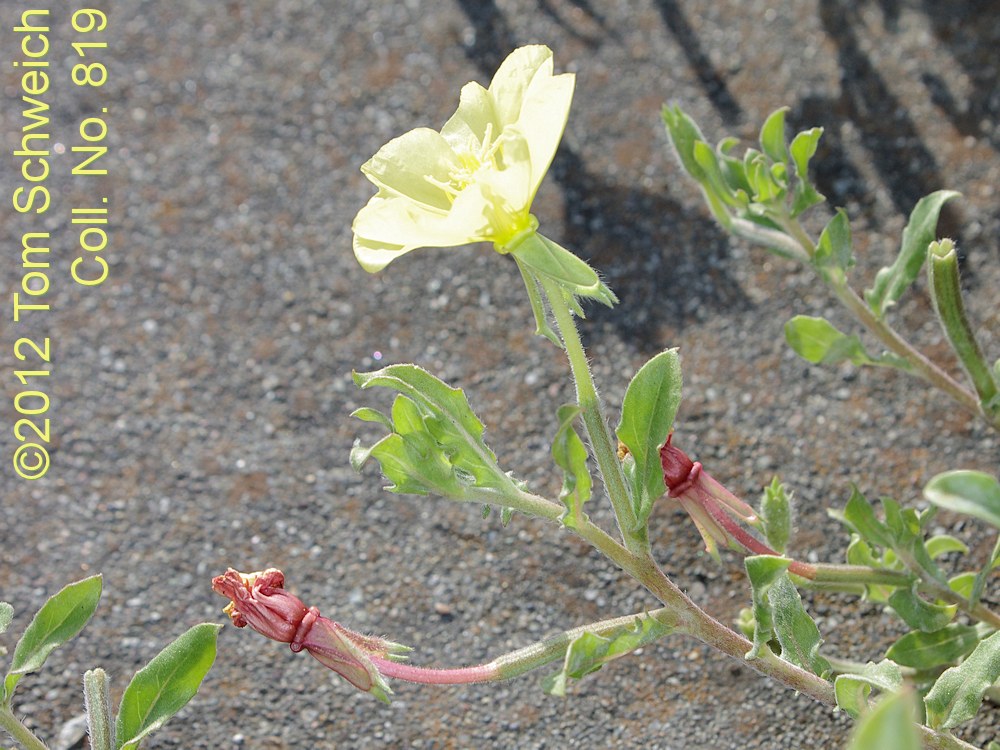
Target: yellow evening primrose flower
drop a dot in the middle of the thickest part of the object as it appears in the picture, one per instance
(475, 180)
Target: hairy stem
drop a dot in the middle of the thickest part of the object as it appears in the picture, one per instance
(20, 733)
(593, 419)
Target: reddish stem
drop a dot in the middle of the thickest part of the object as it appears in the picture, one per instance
(428, 676)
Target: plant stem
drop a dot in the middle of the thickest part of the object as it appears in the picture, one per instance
(895, 343)
(797, 245)
(853, 574)
(593, 419)
(18, 731)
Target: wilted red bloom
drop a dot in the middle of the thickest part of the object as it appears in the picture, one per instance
(714, 509)
(260, 601)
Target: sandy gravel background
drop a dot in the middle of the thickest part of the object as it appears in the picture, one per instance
(200, 396)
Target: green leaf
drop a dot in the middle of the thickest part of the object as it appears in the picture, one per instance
(852, 689)
(531, 285)
(6, 616)
(943, 544)
(540, 256)
(890, 725)
(59, 619)
(589, 652)
(921, 650)
(963, 584)
(779, 613)
(366, 414)
(802, 150)
(974, 493)
(892, 281)
(648, 411)
(834, 256)
(776, 512)
(818, 341)
(165, 685)
(684, 134)
(920, 614)
(958, 692)
(715, 180)
(570, 455)
(437, 441)
(861, 516)
(772, 136)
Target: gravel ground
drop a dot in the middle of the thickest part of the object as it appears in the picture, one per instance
(200, 396)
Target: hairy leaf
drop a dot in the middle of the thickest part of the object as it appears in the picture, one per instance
(890, 725)
(648, 411)
(165, 685)
(958, 692)
(589, 652)
(852, 689)
(919, 613)
(570, 455)
(892, 281)
(60, 618)
(779, 613)
(834, 253)
(921, 650)
(974, 493)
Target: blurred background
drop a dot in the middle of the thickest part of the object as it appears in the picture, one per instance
(200, 396)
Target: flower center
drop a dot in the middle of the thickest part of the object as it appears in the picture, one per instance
(473, 157)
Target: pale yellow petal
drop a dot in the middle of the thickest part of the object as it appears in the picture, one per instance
(512, 79)
(472, 118)
(404, 164)
(390, 225)
(543, 119)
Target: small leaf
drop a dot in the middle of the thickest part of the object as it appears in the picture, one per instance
(920, 614)
(802, 150)
(367, 414)
(958, 692)
(570, 455)
(861, 516)
(778, 611)
(648, 411)
(776, 512)
(772, 136)
(540, 256)
(834, 253)
(974, 493)
(60, 618)
(818, 341)
(589, 652)
(6, 616)
(921, 650)
(963, 584)
(715, 180)
(437, 441)
(943, 544)
(683, 133)
(852, 689)
(165, 685)
(892, 281)
(890, 725)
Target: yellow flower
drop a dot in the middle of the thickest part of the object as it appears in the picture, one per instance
(476, 179)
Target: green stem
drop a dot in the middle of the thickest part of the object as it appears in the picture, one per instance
(538, 654)
(892, 341)
(854, 574)
(946, 292)
(776, 241)
(593, 419)
(18, 731)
